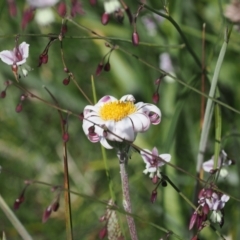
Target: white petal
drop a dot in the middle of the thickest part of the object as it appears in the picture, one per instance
(225, 198)
(125, 130)
(208, 165)
(106, 99)
(145, 156)
(105, 143)
(128, 98)
(140, 122)
(42, 3)
(7, 57)
(24, 49)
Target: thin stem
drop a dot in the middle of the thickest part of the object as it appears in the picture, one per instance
(123, 158)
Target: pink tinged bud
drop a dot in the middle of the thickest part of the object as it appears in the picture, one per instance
(23, 97)
(65, 137)
(201, 194)
(19, 108)
(205, 209)
(209, 192)
(153, 196)
(194, 237)
(47, 214)
(15, 68)
(62, 9)
(3, 94)
(66, 81)
(76, 8)
(55, 206)
(18, 201)
(199, 222)
(103, 233)
(135, 38)
(99, 69)
(105, 18)
(66, 70)
(43, 59)
(107, 67)
(192, 220)
(12, 8)
(155, 98)
(28, 15)
(155, 179)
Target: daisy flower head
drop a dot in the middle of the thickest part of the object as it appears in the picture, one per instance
(153, 162)
(17, 56)
(117, 120)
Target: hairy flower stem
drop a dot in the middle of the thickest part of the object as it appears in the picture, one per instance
(123, 158)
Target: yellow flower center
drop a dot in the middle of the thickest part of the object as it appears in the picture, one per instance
(116, 110)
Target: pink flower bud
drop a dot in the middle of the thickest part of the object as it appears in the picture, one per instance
(135, 38)
(99, 69)
(55, 206)
(47, 214)
(107, 67)
(19, 108)
(66, 70)
(43, 59)
(105, 18)
(12, 8)
(155, 97)
(103, 233)
(66, 81)
(65, 137)
(155, 179)
(15, 68)
(3, 94)
(153, 196)
(28, 15)
(93, 2)
(18, 202)
(62, 9)
(205, 209)
(192, 220)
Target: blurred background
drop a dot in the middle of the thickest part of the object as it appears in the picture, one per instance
(31, 141)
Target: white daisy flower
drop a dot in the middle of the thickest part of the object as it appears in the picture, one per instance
(153, 163)
(121, 117)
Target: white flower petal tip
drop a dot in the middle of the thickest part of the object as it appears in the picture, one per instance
(122, 118)
(17, 56)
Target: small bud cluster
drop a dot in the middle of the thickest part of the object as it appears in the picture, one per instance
(155, 96)
(4, 92)
(19, 107)
(210, 201)
(105, 65)
(21, 197)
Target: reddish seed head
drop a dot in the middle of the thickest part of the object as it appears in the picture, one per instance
(103, 233)
(107, 67)
(135, 38)
(153, 196)
(66, 81)
(62, 9)
(3, 94)
(105, 18)
(155, 97)
(19, 108)
(65, 137)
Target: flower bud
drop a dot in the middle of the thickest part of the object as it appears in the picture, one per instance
(153, 196)
(43, 59)
(99, 69)
(55, 206)
(19, 108)
(62, 9)
(103, 233)
(66, 81)
(205, 209)
(105, 18)
(192, 220)
(47, 214)
(65, 137)
(15, 68)
(93, 2)
(155, 97)
(135, 38)
(155, 179)
(12, 8)
(107, 67)
(3, 94)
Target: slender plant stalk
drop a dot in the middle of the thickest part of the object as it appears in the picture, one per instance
(13, 219)
(209, 107)
(123, 158)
